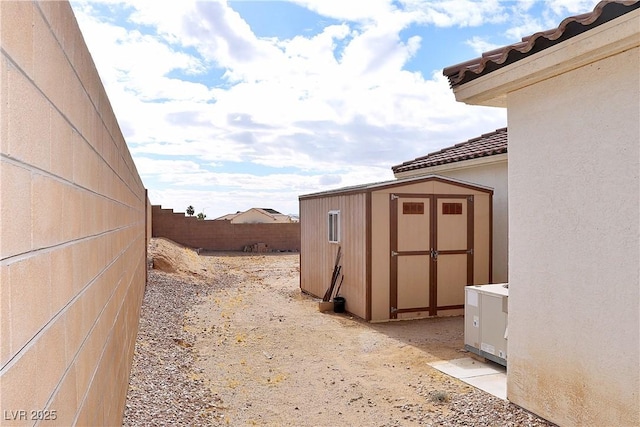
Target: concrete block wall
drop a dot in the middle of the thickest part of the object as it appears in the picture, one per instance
(222, 235)
(72, 228)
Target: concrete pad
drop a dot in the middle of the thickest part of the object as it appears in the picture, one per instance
(495, 384)
(487, 376)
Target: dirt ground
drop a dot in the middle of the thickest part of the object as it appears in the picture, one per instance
(271, 358)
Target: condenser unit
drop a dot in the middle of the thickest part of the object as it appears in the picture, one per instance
(485, 321)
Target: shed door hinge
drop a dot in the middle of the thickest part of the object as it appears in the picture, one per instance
(394, 310)
(470, 251)
(394, 197)
(394, 253)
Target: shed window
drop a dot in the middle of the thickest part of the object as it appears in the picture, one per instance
(334, 226)
(452, 209)
(413, 208)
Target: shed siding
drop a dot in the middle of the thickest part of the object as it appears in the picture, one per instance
(380, 250)
(318, 255)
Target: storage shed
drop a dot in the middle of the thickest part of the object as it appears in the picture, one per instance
(409, 246)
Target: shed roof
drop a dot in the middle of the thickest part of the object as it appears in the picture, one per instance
(365, 188)
(603, 12)
(488, 144)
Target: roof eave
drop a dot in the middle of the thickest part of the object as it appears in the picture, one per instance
(377, 186)
(452, 166)
(598, 43)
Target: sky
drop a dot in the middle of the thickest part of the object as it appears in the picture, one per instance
(228, 105)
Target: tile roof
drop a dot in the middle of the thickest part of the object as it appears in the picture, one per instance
(488, 144)
(603, 12)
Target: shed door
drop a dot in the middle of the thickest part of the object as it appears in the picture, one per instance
(431, 252)
(453, 256)
(411, 243)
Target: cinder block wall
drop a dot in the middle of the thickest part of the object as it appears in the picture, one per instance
(222, 235)
(72, 228)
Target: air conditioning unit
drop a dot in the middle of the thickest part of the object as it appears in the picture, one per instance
(485, 321)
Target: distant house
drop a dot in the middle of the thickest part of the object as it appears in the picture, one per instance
(481, 160)
(573, 99)
(257, 216)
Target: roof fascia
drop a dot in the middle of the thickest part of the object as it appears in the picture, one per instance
(606, 40)
(347, 191)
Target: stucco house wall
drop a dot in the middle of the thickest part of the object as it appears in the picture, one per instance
(72, 227)
(574, 220)
(575, 244)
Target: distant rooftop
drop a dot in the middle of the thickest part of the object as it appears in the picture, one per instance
(271, 211)
(488, 144)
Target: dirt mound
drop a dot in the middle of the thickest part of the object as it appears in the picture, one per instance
(171, 257)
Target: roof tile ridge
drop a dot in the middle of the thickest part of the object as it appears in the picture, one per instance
(500, 55)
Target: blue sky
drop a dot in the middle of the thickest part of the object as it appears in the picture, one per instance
(229, 105)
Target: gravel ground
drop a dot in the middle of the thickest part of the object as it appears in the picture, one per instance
(230, 340)
(165, 388)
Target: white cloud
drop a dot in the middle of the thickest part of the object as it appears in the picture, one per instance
(565, 8)
(480, 45)
(525, 23)
(349, 10)
(340, 117)
(463, 13)
(222, 193)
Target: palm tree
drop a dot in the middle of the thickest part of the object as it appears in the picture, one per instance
(190, 210)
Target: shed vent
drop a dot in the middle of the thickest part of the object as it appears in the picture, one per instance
(413, 208)
(452, 209)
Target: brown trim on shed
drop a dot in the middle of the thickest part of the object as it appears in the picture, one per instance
(393, 184)
(412, 310)
(451, 307)
(454, 252)
(413, 252)
(433, 262)
(393, 260)
(491, 238)
(147, 206)
(368, 245)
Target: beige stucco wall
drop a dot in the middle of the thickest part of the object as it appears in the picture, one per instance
(72, 227)
(490, 172)
(574, 313)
